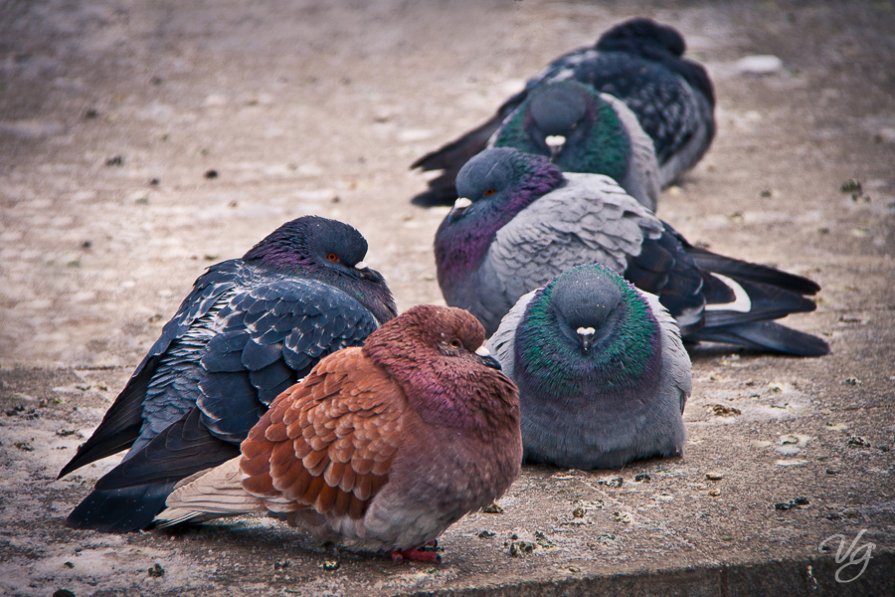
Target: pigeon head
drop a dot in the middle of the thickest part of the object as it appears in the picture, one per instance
(570, 123)
(329, 251)
(436, 355)
(587, 321)
(642, 36)
(493, 186)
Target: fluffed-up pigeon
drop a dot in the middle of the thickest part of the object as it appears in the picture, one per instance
(248, 330)
(380, 447)
(639, 61)
(521, 222)
(602, 373)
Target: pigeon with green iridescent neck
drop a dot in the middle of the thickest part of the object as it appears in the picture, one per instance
(250, 328)
(602, 373)
(640, 62)
(521, 222)
(582, 130)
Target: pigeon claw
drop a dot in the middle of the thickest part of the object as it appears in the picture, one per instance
(420, 554)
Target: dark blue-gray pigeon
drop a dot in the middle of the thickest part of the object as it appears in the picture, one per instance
(249, 329)
(639, 61)
(602, 373)
(521, 222)
(583, 130)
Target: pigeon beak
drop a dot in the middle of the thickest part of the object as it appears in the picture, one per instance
(586, 336)
(460, 207)
(361, 266)
(486, 358)
(555, 143)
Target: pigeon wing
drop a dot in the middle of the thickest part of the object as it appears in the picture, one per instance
(329, 442)
(275, 334)
(123, 422)
(642, 178)
(588, 220)
(502, 343)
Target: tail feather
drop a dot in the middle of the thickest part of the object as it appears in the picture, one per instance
(451, 158)
(730, 301)
(211, 494)
(743, 270)
(120, 425)
(120, 510)
(765, 336)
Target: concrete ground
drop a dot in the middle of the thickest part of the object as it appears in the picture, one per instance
(113, 116)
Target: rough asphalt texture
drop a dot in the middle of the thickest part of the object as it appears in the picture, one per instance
(306, 107)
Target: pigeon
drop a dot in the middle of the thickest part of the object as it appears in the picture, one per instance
(640, 62)
(582, 130)
(521, 222)
(380, 447)
(248, 330)
(602, 373)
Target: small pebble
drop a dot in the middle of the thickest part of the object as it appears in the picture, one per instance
(492, 508)
(714, 476)
(115, 160)
(612, 482)
(156, 571)
(330, 565)
(856, 441)
(578, 512)
(486, 534)
(211, 174)
(519, 548)
(642, 477)
(714, 492)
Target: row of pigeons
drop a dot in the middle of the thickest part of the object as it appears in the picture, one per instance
(287, 383)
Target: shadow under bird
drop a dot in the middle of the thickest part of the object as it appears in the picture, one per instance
(602, 373)
(380, 447)
(640, 62)
(521, 222)
(248, 330)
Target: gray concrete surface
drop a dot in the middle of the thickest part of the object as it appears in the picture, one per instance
(305, 107)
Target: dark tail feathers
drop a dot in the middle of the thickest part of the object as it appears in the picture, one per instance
(765, 336)
(120, 510)
(451, 158)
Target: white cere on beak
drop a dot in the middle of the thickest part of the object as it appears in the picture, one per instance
(462, 203)
(361, 265)
(588, 331)
(555, 142)
(482, 351)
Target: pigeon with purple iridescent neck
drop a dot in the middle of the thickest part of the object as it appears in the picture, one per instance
(248, 330)
(602, 373)
(380, 447)
(640, 62)
(582, 130)
(521, 222)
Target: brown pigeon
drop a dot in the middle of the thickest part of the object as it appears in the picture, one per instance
(380, 447)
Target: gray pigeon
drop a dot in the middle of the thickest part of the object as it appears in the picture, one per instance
(602, 373)
(249, 329)
(639, 61)
(521, 222)
(582, 130)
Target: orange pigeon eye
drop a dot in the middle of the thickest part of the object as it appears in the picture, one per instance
(489, 192)
(333, 258)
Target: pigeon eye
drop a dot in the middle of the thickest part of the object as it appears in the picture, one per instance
(456, 343)
(489, 192)
(333, 258)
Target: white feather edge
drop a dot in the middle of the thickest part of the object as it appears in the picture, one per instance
(741, 302)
